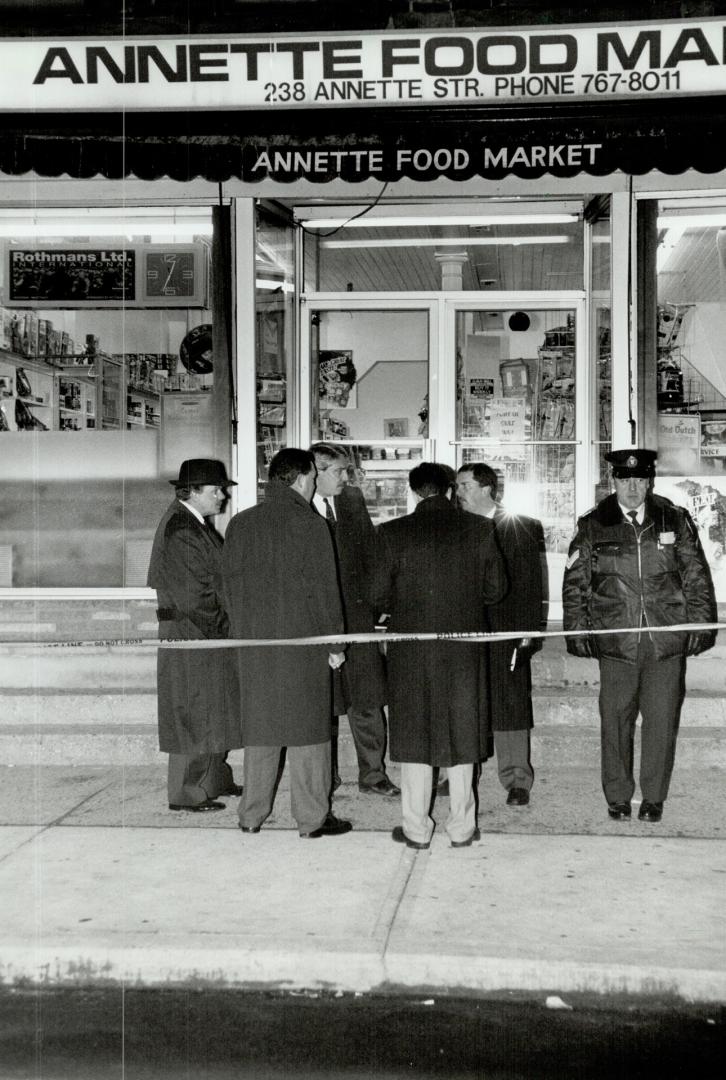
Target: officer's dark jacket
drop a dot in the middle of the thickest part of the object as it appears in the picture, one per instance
(615, 572)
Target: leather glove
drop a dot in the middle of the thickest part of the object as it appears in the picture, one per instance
(527, 647)
(583, 646)
(699, 641)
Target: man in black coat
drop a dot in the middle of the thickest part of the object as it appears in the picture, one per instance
(521, 542)
(280, 582)
(360, 684)
(438, 569)
(636, 562)
(198, 700)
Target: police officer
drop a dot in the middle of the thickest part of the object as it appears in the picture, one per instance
(636, 562)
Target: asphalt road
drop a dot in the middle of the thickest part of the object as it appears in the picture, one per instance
(228, 1035)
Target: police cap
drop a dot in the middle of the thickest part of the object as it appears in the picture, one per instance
(626, 463)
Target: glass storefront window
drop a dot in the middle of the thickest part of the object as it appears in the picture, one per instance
(516, 382)
(275, 307)
(601, 403)
(506, 252)
(690, 376)
(107, 382)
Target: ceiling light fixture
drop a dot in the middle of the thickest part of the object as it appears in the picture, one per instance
(367, 221)
(20, 230)
(692, 221)
(458, 242)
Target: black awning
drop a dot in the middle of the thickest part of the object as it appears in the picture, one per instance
(387, 144)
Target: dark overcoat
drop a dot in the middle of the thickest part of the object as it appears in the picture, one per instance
(524, 607)
(280, 581)
(198, 698)
(362, 678)
(439, 568)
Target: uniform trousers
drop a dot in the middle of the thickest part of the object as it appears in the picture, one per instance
(309, 784)
(416, 788)
(655, 688)
(513, 764)
(192, 779)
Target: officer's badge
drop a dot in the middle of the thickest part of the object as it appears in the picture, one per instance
(632, 461)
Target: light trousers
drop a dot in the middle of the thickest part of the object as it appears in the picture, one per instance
(416, 788)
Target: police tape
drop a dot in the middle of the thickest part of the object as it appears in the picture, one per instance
(337, 641)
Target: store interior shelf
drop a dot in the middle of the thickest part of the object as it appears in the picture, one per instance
(388, 464)
(143, 392)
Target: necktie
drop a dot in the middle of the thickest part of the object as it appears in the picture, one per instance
(329, 515)
(633, 515)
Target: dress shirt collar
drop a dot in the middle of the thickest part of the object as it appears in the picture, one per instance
(192, 510)
(640, 512)
(319, 504)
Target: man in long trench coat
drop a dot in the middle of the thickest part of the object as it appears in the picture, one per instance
(198, 702)
(280, 581)
(524, 607)
(439, 569)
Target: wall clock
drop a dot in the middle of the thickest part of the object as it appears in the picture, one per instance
(173, 275)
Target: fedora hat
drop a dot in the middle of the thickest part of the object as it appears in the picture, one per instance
(199, 471)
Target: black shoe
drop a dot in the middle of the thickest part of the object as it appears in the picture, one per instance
(400, 838)
(618, 811)
(332, 826)
(650, 811)
(476, 835)
(383, 787)
(518, 796)
(233, 789)
(200, 807)
(249, 828)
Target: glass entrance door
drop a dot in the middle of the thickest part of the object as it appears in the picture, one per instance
(452, 380)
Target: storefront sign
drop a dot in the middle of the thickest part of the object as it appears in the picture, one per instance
(507, 418)
(148, 275)
(679, 439)
(713, 435)
(337, 379)
(52, 276)
(393, 67)
(704, 496)
(481, 388)
(421, 162)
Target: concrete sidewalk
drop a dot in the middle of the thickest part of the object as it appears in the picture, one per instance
(103, 885)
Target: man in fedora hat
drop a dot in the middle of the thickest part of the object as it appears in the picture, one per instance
(198, 696)
(636, 562)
